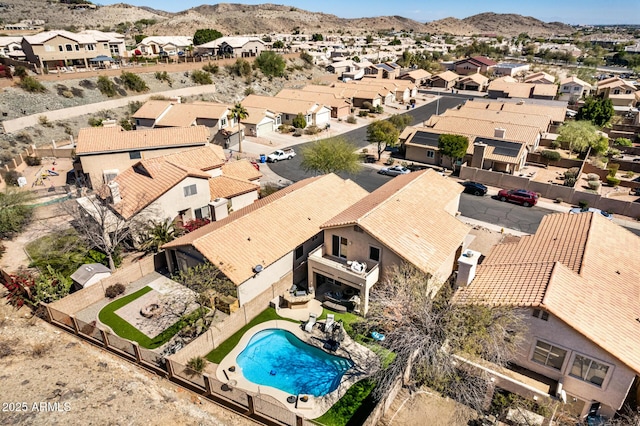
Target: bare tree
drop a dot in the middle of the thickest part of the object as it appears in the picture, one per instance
(432, 337)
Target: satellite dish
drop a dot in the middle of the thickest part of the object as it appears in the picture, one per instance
(257, 269)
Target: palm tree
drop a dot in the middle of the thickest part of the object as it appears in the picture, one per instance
(238, 112)
(158, 234)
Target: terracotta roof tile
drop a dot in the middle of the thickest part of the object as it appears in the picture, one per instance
(446, 76)
(416, 237)
(183, 115)
(540, 121)
(95, 140)
(152, 109)
(268, 229)
(594, 285)
(484, 128)
(205, 158)
(229, 187)
(241, 169)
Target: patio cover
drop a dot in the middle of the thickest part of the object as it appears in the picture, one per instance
(102, 58)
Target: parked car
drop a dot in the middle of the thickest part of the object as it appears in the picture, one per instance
(520, 196)
(281, 154)
(474, 188)
(604, 214)
(394, 171)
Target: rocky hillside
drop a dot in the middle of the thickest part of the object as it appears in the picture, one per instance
(495, 23)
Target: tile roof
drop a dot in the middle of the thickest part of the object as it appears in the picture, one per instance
(241, 169)
(446, 76)
(485, 128)
(417, 74)
(271, 227)
(288, 106)
(549, 90)
(484, 60)
(204, 158)
(542, 122)
(585, 274)
(229, 187)
(576, 80)
(556, 113)
(183, 115)
(329, 99)
(476, 78)
(417, 237)
(540, 77)
(152, 109)
(94, 140)
(256, 115)
(147, 180)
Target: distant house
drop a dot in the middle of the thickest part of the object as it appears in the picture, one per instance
(386, 70)
(474, 65)
(356, 96)
(502, 88)
(476, 82)
(510, 69)
(340, 107)
(621, 92)
(105, 151)
(10, 45)
(89, 274)
(445, 80)
(235, 47)
(261, 121)
(263, 248)
(314, 112)
(369, 233)
(572, 89)
(171, 45)
(579, 290)
(540, 78)
(418, 77)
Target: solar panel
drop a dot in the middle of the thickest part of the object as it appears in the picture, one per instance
(500, 147)
(426, 139)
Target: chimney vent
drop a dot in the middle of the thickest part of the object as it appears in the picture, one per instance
(499, 132)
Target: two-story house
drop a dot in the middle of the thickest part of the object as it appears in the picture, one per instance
(171, 45)
(402, 221)
(476, 64)
(236, 47)
(444, 80)
(263, 248)
(105, 151)
(578, 281)
(572, 89)
(621, 92)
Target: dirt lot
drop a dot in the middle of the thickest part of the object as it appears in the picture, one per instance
(41, 364)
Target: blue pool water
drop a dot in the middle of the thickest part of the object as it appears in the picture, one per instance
(279, 359)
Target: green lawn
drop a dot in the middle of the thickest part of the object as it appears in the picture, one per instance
(218, 354)
(125, 330)
(355, 405)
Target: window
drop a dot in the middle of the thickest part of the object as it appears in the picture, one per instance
(91, 47)
(565, 88)
(77, 47)
(60, 48)
(68, 47)
(105, 46)
(374, 254)
(202, 213)
(190, 190)
(134, 155)
(299, 252)
(223, 122)
(543, 315)
(589, 370)
(430, 154)
(549, 355)
(339, 246)
(616, 92)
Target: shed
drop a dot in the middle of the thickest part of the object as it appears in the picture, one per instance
(89, 274)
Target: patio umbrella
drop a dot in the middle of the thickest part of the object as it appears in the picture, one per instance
(102, 58)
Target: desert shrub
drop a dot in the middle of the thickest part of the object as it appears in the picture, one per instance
(555, 145)
(201, 77)
(44, 121)
(571, 173)
(312, 130)
(163, 76)
(558, 200)
(593, 176)
(613, 152)
(583, 204)
(39, 349)
(106, 86)
(570, 182)
(134, 106)
(613, 181)
(197, 364)
(20, 72)
(352, 119)
(551, 155)
(623, 142)
(241, 68)
(24, 137)
(211, 68)
(95, 122)
(298, 132)
(307, 58)
(33, 160)
(31, 85)
(363, 113)
(367, 105)
(133, 82)
(126, 124)
(11, 177)
(629, 174)
(593, 184)
(249, 91)
(77, 92)
(114, 290)
(378, 109)
(88, 84)
(5, 349)
(67, 94)
(613, 169)
(285, 128)
(299, 122)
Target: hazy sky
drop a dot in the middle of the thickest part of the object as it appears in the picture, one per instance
(570, 12)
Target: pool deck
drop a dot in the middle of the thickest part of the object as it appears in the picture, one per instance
(365, 363)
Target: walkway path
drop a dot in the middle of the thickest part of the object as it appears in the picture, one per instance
(11, 126)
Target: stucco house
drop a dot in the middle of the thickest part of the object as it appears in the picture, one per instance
(580, 292)
(236, 47)
(172, 45)
(418, 77)
(389, 227)
(263, 248)
(572, 89)
(621, 92)
(10, 45)
(314, 112)
(261, 121)
(386, 70)
(445, 80)
(476, 82)
(356, 96)
(502, 88)
(510, 69)
(105, 151)
(473, 65)
(340, 107)
(540, 78)
(555, 110)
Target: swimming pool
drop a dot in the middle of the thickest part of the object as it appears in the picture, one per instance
(277, 358)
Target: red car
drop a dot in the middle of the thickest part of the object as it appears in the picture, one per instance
(520, 196)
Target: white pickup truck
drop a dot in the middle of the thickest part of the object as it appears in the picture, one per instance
(281, 154)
